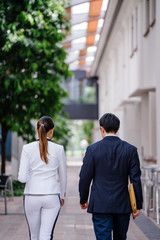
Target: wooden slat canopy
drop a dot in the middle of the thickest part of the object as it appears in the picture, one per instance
(80, 40)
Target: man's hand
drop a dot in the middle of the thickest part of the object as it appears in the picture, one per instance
(62, 202)
(136, 214)
(84, 206)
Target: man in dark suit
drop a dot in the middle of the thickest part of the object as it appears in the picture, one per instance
(108, 164)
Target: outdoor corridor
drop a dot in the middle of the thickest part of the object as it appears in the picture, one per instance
(73, 223)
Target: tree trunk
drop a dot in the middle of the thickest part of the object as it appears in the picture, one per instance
(3, 147)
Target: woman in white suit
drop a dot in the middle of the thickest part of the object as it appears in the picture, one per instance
(43, 195)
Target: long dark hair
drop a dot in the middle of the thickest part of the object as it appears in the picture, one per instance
(44, 124)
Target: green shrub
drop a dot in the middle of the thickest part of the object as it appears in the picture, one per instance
(18, 188)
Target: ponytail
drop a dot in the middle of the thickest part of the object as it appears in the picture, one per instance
(43, 143)
(44, 124)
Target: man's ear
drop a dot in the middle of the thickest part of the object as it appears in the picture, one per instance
(102, 129)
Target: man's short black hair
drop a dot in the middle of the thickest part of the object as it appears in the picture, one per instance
(109, 122)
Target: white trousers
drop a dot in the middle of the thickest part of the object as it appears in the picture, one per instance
(41, 213)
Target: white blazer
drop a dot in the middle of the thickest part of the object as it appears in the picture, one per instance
(41, 178)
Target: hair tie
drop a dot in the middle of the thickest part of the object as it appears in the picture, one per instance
(42, 125)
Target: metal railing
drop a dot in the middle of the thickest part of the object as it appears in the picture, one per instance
(151, 190)
(6, 187)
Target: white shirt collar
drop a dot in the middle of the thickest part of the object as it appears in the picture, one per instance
(111, 135)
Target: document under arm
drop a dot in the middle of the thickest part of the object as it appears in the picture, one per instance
(132, 198)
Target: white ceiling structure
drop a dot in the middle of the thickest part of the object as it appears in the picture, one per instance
(87, 18)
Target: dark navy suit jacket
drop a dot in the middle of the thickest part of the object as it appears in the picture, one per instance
(108, 164)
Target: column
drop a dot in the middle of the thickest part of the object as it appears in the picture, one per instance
(145, 125)
(158, 123)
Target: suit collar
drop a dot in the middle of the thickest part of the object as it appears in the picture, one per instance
(111, 137)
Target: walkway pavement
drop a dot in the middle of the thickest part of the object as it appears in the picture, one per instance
(73, 223)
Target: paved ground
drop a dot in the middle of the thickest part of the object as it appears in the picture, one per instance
(73, 223)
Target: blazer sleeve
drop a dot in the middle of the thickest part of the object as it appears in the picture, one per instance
(135, 177)
(62, 173)
(23, 173)
(86, 176)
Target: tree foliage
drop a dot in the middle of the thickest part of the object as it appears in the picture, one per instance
(87, 129)
(62, 132)
(32, 63)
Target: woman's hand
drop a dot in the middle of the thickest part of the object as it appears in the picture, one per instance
(62, 202)
(84, 206)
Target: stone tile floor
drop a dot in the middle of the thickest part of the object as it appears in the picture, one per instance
(73, 223)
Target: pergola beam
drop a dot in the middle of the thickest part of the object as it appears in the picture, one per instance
(77, 2)
(80, 18)
(80, 34)
(79, 47)
(79, 58)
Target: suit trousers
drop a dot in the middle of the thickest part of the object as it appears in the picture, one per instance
(104, 224)
(41, 213)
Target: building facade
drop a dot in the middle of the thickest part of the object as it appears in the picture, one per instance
(127, 65)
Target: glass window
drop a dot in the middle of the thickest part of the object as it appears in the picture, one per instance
(146, 18)
(152, 12)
